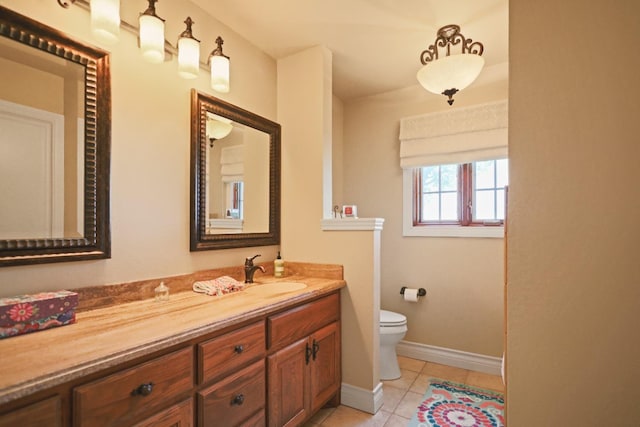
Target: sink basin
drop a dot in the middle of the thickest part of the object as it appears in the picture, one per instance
(275, 288)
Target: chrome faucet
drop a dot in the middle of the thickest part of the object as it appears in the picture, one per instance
(249, 269)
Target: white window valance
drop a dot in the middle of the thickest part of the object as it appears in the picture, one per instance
(457, 136)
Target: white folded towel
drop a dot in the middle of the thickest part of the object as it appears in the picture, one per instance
(220, 286)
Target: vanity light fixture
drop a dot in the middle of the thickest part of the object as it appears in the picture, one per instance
(219, 68)
(106, 23)
(105, 20)
(151, 34)
(451, 73)
(188, 53)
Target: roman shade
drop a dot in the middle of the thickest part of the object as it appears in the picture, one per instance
(232, 163)
(457, 136)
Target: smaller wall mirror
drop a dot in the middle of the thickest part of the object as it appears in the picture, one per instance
(55, 131)
(235, 176)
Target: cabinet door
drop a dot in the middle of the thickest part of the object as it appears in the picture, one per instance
(325, 365)
(288, 384)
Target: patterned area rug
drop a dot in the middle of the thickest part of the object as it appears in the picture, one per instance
(448, 404)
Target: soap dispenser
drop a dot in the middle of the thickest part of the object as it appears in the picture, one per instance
(278, 266)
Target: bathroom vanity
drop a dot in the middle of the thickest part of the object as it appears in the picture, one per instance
(253, 358)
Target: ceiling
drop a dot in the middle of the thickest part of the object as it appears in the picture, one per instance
(376, 44)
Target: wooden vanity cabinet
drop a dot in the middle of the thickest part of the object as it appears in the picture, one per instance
(273, 369)
(304, 370)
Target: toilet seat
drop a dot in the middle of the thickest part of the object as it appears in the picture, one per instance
(391, 319)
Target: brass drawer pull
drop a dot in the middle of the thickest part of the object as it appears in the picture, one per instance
(238, 399)
(238, 349)
(143, 390)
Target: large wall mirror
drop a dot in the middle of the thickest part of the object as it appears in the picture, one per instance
(55, 131)
(235, 176)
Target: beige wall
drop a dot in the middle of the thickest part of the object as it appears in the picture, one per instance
(574, 275)
(150, 150)
(304, 90)
(463, 277)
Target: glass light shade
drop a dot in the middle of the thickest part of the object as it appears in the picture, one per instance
(188, 57)
(220, 73)
(152, 38)
(105, 20)
(454, 71)
(218, 129)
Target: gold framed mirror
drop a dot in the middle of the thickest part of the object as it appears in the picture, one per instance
(235, 176)
(55, 114)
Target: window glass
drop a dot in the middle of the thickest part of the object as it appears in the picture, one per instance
(477, 186)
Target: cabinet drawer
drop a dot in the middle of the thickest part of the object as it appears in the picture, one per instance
(120, 398)
(291, 325)
(45, 413)
(234, 400)
(180, 415)
(223, 355)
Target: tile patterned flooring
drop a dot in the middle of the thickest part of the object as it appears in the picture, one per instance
(402, 396)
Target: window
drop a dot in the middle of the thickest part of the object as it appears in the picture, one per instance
(469, 194)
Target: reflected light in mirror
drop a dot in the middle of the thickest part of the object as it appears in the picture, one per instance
(152, 35)
(218, 127)
(105, 20)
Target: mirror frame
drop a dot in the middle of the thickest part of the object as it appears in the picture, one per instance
(96, 242)
(202, 103)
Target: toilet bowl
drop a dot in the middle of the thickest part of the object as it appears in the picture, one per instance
(393, 327)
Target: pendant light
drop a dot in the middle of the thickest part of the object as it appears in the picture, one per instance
(453, 72)
(188, 53)
(152, 34)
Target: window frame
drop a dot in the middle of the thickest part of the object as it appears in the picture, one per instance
(464, 227)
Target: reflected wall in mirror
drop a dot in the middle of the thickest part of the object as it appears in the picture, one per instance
(235, 176)
(55, 112)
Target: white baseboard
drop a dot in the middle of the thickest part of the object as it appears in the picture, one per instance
(359, 398)
(450, 357)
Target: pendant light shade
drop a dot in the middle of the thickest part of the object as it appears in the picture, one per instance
(450, 73)
(219, 68)
(188, 53)
(152, 34)
(105, 20)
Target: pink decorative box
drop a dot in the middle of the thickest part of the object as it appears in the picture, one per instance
(30, 313)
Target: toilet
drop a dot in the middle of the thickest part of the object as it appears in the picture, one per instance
(393, 327)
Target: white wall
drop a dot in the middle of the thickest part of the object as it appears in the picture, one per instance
(150, 149)
(463, 277)
(573, 273)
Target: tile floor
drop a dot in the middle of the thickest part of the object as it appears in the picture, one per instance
(402, 396)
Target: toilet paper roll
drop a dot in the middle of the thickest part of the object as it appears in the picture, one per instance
(411, 295)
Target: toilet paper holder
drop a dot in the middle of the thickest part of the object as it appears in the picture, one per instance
(421, 291)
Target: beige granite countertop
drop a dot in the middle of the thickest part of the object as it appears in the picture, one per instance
(108, 336)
